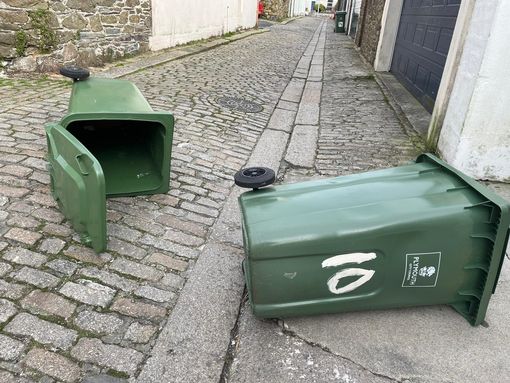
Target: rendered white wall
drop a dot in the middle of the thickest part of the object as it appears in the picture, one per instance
(177, 22)
(475, 136)
(298, 7)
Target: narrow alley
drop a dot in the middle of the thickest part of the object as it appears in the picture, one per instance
(167, 302)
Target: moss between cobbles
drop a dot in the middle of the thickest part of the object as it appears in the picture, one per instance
(69, 323)
(363, 78)
(7, 82)
(117, 374)
(53, 319)
(81, 332)
(101, 282)
(43, 80)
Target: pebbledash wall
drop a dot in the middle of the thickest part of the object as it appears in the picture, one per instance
(367, 36)
(82, 32)
(276, 9)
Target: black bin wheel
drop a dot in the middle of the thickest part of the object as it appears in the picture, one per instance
(75, 72)
(254, 178)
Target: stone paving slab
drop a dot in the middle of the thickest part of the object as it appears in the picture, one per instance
(308, 114)
(303, 146)
(271, 149)
(430, 344)
(268, 354)
(282, 119)
(294, 90)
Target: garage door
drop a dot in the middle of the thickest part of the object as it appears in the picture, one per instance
(424, 37)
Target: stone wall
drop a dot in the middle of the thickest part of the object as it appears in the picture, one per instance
(40, 35)
(276, 9)
(369, 28)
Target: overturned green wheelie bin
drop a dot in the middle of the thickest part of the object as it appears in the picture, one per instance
(111, 143)
(420, 234)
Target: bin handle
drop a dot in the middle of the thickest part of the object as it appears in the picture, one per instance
(81, 164)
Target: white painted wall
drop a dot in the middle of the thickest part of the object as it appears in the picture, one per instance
(176, 22)
(298, 7)
(475, 136)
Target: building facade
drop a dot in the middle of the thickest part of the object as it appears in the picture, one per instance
(299, 7)
(175, 24)
(455, 68)
(276, 9)
(41, 35)
(46, 33)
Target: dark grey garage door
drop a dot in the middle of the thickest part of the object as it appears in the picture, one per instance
(424, 37)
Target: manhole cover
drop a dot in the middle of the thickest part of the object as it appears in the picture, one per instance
(240, 104)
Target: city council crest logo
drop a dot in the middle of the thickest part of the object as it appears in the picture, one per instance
(427, 271)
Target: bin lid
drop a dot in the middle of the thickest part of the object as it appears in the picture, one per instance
(78, 185)
(104, 95)
(111, 99)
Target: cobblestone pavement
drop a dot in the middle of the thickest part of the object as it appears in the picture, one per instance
(359, 130)
(67, 314)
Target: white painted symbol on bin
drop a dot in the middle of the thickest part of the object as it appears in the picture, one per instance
(342, 259)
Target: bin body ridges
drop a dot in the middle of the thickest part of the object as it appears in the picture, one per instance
(419, 234)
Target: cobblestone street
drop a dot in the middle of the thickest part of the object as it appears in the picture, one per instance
(67, 314)
(167, 302)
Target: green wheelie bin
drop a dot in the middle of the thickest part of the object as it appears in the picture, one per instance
(109, 144)
(340, 21)
(419, 234)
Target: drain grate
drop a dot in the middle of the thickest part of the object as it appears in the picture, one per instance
(240, 104)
